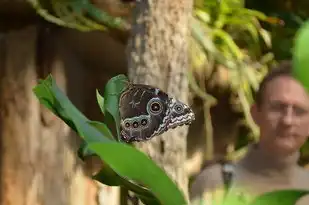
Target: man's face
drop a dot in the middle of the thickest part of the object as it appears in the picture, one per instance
(283, 116)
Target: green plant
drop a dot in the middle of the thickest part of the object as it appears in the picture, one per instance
(80, 14)
(121, 162)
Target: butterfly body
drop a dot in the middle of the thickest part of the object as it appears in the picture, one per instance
(146, 111)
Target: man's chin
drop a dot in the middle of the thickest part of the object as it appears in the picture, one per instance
(285, 146)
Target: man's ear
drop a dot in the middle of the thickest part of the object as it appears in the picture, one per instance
(255, 113)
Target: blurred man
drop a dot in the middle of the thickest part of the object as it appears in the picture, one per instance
(281, 111)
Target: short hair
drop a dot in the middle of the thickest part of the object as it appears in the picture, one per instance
(284, 68)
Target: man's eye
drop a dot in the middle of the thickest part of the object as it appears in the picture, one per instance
(277, 107)
(300, 111)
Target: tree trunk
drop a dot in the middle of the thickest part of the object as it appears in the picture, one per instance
(63, 173)
(21, 177)
(37, 165)
(158, 56)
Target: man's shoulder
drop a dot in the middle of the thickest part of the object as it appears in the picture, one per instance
(304, 171)
(211, 171)
(208, 179)
(306, 168)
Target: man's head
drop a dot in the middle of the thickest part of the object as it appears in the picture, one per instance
(281, 111)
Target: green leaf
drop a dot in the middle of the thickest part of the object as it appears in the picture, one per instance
(226, 37)
(112, 92)
(251, 13)
(55, 100)
(135, 165)
(282, 197)
(102, 128)
(201, 36)
(266, 37)
(109, 177)
(45, 92)
(300, 56)
(234, 197)
(202, 15)
(103, 17)
(100, 101)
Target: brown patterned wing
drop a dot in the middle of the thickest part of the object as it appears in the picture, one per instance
(143, 111)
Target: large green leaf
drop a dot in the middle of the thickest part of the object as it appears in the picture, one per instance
(84, 150)
(102, 128)
(282, 197)
(55, 100)
(109, 177)
(300, 56)
(135, 165)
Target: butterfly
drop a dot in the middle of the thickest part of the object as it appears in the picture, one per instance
(147, 111)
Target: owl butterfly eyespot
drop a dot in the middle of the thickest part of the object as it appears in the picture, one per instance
(146, 112)
(144, 122)
(135, 124)
(178, 108)
(154, 106)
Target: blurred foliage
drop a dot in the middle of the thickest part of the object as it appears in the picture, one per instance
(229, 37)
(78, 14)
(292, 15)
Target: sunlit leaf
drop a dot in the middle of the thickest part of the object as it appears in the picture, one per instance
(282, 197)
(250, 12)
(229, 42)
(202, 15)
(100, 101)
(198, 58)
(207, 44)
(266, 37)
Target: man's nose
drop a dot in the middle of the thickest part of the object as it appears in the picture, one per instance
(287, 117)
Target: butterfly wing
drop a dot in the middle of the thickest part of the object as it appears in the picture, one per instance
(180, 114)
(143, 112)
(147, 111)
